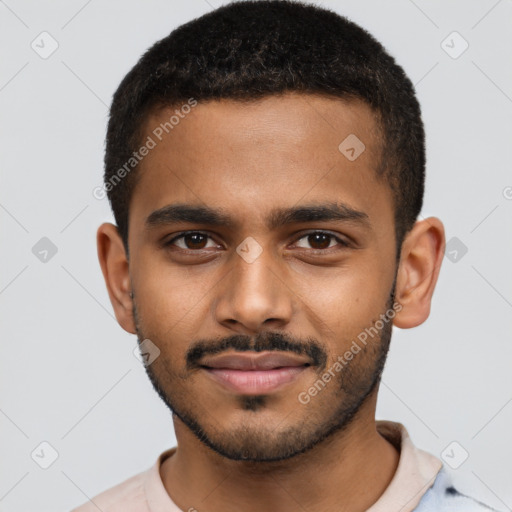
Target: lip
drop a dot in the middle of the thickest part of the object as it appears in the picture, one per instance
(254, 360)
(254, 374)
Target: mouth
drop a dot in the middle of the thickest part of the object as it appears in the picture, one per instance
(254, 374)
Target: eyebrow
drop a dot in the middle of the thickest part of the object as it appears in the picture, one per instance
(278, 217)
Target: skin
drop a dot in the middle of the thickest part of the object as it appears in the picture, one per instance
(248, 159)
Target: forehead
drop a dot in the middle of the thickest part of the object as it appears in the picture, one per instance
(254, 156)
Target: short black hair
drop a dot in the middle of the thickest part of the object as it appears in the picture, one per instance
(248, 50)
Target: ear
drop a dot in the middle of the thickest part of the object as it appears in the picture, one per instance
(420, 261)
(114, 265)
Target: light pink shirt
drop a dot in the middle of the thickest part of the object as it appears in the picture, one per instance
(416, 472)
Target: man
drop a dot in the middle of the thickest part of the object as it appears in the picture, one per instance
(265, 166)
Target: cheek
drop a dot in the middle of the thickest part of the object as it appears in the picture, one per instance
(343, 303)
(170, 301)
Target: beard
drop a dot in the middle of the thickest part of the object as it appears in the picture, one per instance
(256, 439)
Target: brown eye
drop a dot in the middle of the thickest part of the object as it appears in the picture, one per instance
(195, 241)
(320, 240)
(191, 241)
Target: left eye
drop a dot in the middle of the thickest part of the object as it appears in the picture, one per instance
(320, 240)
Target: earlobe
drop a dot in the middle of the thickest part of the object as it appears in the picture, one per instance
(115, 268)
(420, 262)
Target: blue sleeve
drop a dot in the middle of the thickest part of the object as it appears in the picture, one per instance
(443, 497)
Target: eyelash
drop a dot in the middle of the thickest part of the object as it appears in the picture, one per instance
(342, 242)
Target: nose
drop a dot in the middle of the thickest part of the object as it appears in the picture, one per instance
(254, 295)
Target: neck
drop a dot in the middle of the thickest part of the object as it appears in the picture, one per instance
(332, 476)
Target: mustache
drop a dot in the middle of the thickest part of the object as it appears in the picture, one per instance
(265, 341)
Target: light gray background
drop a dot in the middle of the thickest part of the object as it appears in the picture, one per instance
(68, 373)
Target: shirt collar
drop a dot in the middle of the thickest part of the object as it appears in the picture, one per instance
(414, 475)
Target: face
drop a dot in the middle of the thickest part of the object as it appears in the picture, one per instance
(259, 254)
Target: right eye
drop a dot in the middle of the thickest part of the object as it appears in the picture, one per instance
(191, 241)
